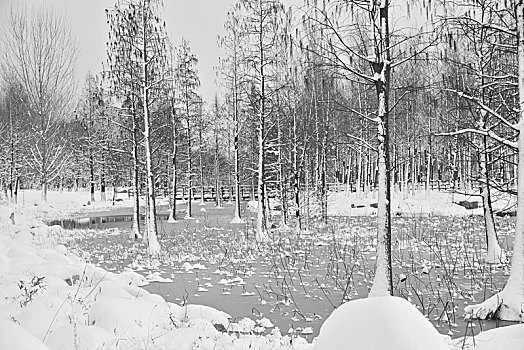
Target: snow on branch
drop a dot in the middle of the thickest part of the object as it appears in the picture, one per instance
(488, 133)
(484, 107)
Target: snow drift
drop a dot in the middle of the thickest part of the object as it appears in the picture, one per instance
(377, 324)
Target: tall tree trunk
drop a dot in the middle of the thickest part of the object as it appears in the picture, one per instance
(262, 212)
(229, 171)
(281, 176)
(307, 190)
(296, 172)
(261, 221)
(44, 190)
(153, 247)
(91, 175)
(12, 168)
(428, 165)
(359, 173)
(172, 204)
(189, 212)
(323, 188)
(494, 254)
(43, 169)
(236, 218)
(152, 240)
(200, 161)
(383, 282)
(218, 198)
(135, 226)
(103, 196)
(16, 189)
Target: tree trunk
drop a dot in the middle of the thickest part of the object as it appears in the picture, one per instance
(307, 190)
(16, 189)
(236, 131)
(103, 187)
(172, 203)
(281, 176)
(262, 213)
(261, 228)
(359, 173)
(91, 176)
(494, 254)
(296, 174)
(383, 282)
(44, 190)
(189, 212)
(135, 226)
(200, 161)
(153, 247)
(218, 199)
(428, 165)
(43, 171)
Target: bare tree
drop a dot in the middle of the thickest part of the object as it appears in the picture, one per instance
(189, 102)
(40, 53)
(231, 71)
(90, 109)
(260, 23)
(14, 137)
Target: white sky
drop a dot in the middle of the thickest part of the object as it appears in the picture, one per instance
(199, 21)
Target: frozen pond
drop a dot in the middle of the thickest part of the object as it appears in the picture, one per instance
(297, 281)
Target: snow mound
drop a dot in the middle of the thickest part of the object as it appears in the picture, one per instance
(379, 323)
(12, 336)
(194, 312)
(507, 338)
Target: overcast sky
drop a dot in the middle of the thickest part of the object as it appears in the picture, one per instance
(199, 21)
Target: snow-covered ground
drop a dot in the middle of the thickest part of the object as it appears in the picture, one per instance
(418, 203)
(50, 299)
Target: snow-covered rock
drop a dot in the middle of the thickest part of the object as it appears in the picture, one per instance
(379, 323)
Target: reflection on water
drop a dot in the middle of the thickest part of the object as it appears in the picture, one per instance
(98, 222)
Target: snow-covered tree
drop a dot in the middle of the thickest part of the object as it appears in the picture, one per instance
(13, 137)
(477, 49)
(189, 103)
(137, 55)
(89, 112)
(39, 52)
(354, 38)
(507, 304)
(231, 70)
(259, 23)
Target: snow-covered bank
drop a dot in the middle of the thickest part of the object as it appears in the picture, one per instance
(437, 203)
(63, 204)
(53, 300)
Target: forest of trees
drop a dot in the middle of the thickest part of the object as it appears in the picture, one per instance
(352, 95)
